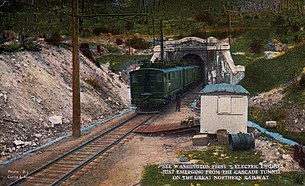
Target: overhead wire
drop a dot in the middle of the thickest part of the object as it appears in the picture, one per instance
(2, 2)
(119, 15)
(81, 15)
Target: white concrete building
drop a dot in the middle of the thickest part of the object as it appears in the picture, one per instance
(224, 106)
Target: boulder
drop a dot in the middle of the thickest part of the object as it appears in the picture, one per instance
(286, 156)
(271, 124)
(55, 120)
(38, 135)
(18, 142)
(200, 140)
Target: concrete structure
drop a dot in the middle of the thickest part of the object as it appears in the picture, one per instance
(224, 106)
(214, 56)
(200, 140)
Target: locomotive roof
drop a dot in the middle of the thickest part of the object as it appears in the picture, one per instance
(166, 69)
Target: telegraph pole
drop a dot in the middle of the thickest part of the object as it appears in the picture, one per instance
(153, 28)
(76, 110)
(161, 35)
(230, 27)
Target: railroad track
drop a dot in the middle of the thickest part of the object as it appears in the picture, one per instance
(60, 169)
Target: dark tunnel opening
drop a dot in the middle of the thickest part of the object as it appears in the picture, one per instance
(195, 59)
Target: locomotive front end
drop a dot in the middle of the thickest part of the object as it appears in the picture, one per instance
(146, 87)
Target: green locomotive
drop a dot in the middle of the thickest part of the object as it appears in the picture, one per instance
(151, 88)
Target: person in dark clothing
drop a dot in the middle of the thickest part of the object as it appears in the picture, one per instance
(178, 102)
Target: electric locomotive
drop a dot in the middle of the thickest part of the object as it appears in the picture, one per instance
(151, 87)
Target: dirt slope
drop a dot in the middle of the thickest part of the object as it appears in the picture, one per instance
(36, 97)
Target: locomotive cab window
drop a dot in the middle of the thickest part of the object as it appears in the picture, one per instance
(134, 78)
(159, 77)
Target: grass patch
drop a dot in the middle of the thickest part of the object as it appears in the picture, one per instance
(15, 46)
(265, 74)
(279, 115)
(243, 42)
(112, 49)
(222, 155)
(295, 96)
(243, 60)
(218, 155)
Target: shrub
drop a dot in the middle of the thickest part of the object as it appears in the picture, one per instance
(94, 82)
(119, 41)
(31, 46)
(12, 46)
(112, 49)
(104, 30)
(84, 48)
(137, 43)
(15, 46)
(206, 17)
(55, 39)
(129, 26)
(280, 21)
(256, 46)
(8, 35)
(98, 31)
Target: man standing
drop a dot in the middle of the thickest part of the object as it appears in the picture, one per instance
(178, 101)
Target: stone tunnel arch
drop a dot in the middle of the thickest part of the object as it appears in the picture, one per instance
(214, 57)
(196, 60)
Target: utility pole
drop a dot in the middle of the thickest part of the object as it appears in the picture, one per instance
(81, 21)
(153, 28)
(106, 6)
(76, 110)
(230, 27)
(161, 35)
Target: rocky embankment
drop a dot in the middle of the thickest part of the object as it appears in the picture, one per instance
(36, 97)
(276, 100)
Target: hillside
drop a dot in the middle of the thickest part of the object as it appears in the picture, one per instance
(36, 97)
(265, 74)
(274, 85)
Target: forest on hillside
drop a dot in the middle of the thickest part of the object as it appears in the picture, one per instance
(181, 18)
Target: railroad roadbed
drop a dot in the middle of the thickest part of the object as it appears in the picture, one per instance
(20, 168)
(63, 167)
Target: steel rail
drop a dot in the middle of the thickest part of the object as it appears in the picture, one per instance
(69, 174)
(74, 150)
